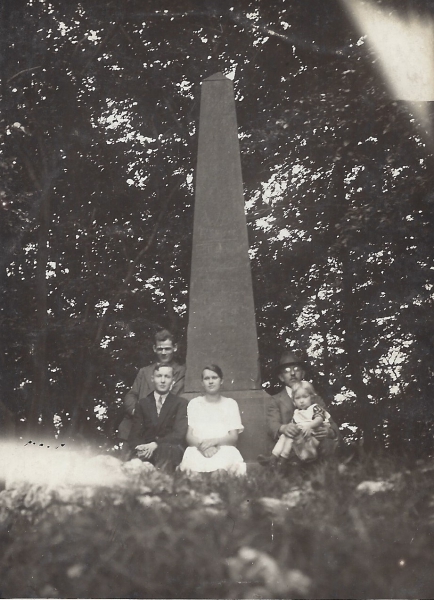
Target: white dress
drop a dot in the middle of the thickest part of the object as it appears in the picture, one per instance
(306, 448)
(306, 415)
(209, 420)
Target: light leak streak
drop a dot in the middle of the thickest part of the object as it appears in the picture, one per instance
(404, 47)
(52, 464)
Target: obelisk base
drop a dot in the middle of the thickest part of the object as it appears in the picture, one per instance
(252, 404)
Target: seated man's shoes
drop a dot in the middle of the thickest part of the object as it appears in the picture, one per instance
(278, 464)
(270, 460)
(283, 466)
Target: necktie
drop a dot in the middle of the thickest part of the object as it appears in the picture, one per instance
(159, 404)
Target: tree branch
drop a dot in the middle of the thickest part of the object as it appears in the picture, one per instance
(100, 48)
(22, 72)
(168, 296)
(127, 36)
(291, 40)
(29, 167)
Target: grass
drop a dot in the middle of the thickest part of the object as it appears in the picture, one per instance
(310, 535)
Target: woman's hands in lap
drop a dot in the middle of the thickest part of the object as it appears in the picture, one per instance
(207, 449)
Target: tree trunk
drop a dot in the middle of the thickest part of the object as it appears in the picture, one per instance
(40, 413)
(352, 345)
(173, 316)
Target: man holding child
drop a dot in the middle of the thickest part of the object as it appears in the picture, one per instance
(280, 413)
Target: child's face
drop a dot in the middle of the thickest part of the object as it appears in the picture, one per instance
(302, 399)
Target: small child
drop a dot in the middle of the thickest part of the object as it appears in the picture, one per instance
(308, 416)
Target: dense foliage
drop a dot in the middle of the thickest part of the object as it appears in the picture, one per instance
(98, 141)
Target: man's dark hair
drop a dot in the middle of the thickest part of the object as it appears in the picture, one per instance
(160, 365)
(163, 335)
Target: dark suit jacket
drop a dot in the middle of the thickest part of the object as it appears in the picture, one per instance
(169, 427)
(280, 411)
(142, 386)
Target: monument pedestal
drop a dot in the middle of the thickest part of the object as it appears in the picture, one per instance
(252, 404)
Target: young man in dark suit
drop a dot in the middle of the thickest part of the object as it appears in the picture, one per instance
(160, 423)
(165, 349)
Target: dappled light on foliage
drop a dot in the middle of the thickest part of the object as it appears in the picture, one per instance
(98, 151)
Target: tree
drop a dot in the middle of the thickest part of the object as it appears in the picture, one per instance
(98, 155)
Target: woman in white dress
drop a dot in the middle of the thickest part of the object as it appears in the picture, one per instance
(214, 423)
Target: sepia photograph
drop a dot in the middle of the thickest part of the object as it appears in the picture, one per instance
(217, 299)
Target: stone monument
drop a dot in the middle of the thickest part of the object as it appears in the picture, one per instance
(222, 325)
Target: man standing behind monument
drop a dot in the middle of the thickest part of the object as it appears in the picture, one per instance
(165, 349)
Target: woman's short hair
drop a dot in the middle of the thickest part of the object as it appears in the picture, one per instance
(215, 369)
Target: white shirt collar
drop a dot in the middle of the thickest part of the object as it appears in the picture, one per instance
(162, 396)
(288, 391)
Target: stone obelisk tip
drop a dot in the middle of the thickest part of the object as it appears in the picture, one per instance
(217, 77)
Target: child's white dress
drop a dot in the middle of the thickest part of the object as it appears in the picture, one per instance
(212, 420)
(307, 415)
(305, 447)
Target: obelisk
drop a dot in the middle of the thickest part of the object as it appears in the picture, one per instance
(222, 324)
